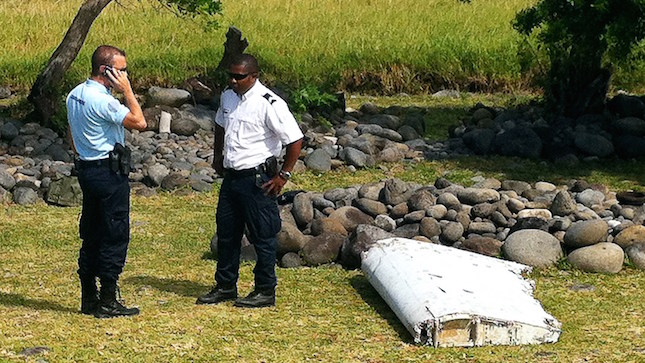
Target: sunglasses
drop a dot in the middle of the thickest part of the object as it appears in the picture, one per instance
(237, 76)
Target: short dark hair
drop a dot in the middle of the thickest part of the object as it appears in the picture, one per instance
(103, 55)
(249, 62)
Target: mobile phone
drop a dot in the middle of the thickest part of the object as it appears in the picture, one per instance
(108, 68)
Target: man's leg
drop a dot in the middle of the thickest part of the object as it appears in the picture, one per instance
(263, 222)
(88, 254)
(230, 228)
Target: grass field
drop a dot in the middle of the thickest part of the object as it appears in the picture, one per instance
(363, 45)
(323, 314)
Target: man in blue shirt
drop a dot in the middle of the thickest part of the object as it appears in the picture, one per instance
(96, 127)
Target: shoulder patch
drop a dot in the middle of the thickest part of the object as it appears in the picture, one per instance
(269, 98)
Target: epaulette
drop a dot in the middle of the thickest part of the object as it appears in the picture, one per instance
(269, 98)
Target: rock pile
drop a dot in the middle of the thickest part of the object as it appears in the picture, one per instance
(537, 224)
(529, 132)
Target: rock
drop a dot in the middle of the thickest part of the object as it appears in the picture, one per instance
(630, 235)
(483, 245)
(479, 140)
(290, 239)
(174, 181)
(202, 116)
(517, 186)
(157, 173)
(24, 196)
(449, 200)
(167, 96)
(318, 161)
(630, 126)
(534, 213)
(8, 131)
(397, 191)
(429, 227)
(481, 227)
(407, 230)
(602, 257)
(385, 223)
(183, 126)
(636, 254)
(586, 233)
(369, 108)
(327, 225)
(371, 207)
(626, 105)
(355, 157)
(290, 260)
(518, 141)
(592, 144)
(590, 197)
(360, 241)
(303, 209)
(350, 217)
(386, 121)
(7, 181)
(563, 204)
(65, 192)
(421, 199)
(451, 232)
(533, 247)
(322, 249)
(629, 146)
(474, 196)
(371, 191)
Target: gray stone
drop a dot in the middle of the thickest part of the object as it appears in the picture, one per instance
(385, 222)
(630, 126)
(408, 133)
(449, 200)
(483, 210)
(202, 116)
(8, 131)
(407, 230)
(563, 204)
(174, 181)
(327, 225)
(24, 196)
(630, 235)
(518, 141)
(602, 258)
(593, 144)
(318, 161)
(636, 254)
(474, 196)
(371, 191)
(590, 197)
(184, 126)
(391, 154)
(386, 121)
(360, 241)
(481, 227)
(437, 211)
(57, 152)
(414, 217)
(479, 140)
(290, 260)
(483, 245)
(397, 191)
(429, 227)
(157, 173)
(451, 232)
(322, 249)
(7, 181)
(534, 213)
(350, 217)
(290, 239)
(371, 207)
(355, 157)
(303, 209)
(487, 183)
(65, 192)
(167, 96)
(201, 186)
(421, 199)
(586, 233)
(533, 247)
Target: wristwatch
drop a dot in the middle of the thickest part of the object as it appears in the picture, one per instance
(284, 174)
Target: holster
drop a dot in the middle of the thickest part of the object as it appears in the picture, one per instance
(271, 166)
(120, 159)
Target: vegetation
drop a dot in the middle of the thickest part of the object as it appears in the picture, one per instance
(323, 314)
(354, 45)
(582, 38)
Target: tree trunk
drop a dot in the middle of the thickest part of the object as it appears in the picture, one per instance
(233, 47)
(43, 93)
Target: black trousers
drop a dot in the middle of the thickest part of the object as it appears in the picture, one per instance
(242, 202)
(105, 223)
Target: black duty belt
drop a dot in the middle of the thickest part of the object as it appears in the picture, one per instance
(84, 164)
(244, 172)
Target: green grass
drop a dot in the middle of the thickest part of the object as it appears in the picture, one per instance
(383, 46)
(323, 314)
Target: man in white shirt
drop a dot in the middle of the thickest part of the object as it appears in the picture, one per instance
(252, 126)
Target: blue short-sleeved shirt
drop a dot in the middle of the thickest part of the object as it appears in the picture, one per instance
(96, 120)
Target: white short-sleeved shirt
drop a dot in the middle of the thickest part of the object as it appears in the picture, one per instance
(96, 120)
(256, 126)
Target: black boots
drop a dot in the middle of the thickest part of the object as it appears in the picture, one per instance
(109, 306)
(217, 295)
(89, 295)
(257, 299)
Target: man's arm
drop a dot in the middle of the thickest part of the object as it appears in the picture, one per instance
(275, 185)
(218, 149)
(134, 119)
(70, 139)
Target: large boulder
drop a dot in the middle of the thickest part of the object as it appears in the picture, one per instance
(636, 254)
(483, 245)
(290, 239)
(360, 241)
(630, 235)
(65, 192)
(602, 257)
(167, 96)
(518, 141)
(322, 249)
(586, 233)
(533, 247)
(350, 217)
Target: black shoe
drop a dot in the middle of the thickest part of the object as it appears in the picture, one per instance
(218, 295)
(257, 299)
(89, 305)
(113, 309)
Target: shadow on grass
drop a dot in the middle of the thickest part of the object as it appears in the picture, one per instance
(10, 299)
(179, 287)
(373, 299)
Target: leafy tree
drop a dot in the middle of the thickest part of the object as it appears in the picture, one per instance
(582, 38)
(44, 93)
